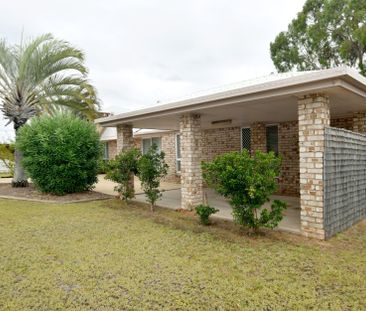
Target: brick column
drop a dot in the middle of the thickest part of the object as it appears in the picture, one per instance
(125, 142)
(313, 113)
(124, 137)
(258, 137)
(191, 153)
(359, 122)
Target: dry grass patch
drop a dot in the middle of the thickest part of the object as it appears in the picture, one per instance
(106, 256)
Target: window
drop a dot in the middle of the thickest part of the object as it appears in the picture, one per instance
(105, 151)
(178, 152)
(148, 142)
(245, 138)
(272, 138)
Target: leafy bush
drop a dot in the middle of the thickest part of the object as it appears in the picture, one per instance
(204, 212)
(151, 168)
(7, 157)
(60, 153)
(102, 166)
(121, 170)
(247, 181)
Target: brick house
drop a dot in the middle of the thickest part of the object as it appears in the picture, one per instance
(314, 120)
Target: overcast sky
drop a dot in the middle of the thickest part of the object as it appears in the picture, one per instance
(142, 52)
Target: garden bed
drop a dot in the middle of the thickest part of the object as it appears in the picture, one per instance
(32, 194)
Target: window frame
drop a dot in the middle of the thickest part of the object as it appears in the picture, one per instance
(105, 150)
(278, 136)
(151, 143)
(176, 153)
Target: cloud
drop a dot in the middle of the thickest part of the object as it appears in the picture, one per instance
(140, 52)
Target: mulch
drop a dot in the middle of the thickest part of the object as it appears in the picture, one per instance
(32, 194)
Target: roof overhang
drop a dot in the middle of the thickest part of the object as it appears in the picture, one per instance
(269, 101)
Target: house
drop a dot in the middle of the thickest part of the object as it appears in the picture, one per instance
(314, 120)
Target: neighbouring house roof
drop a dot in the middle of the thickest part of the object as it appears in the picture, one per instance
(110, 133)
(272, 90)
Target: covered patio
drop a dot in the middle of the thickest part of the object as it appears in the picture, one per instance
(307, 108)
(172, 199)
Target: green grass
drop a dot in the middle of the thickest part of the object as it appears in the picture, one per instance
(102, 256)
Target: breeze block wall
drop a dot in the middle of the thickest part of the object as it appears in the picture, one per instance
(345, 179)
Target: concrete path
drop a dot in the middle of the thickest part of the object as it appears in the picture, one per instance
(106, 186)
(291, 221)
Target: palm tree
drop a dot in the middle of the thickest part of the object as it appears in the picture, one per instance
(38, 77)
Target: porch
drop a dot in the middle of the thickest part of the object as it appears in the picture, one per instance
(323, 167)
(172, 199)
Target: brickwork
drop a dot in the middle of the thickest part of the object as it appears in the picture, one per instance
(288, 149)
(125, 139)
(112, 149)
(313, 114)
(258, 137)
(219, 141)
(342, 122)
(168, 143)
(191, 150)
(359, 122)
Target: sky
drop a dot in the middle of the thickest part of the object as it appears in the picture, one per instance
(144, 52)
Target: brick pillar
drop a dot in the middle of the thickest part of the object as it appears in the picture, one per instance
(125, 142)
(313, 112)
(124, 137)
(191, 153)
(359, 122)
(258, 137)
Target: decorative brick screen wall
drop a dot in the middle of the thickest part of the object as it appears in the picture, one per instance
(345, 179)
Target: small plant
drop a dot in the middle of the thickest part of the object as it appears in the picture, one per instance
(248, 182)
(204, 212)
(60, 153)
(151, 168)
(7, 157)
(122, 170)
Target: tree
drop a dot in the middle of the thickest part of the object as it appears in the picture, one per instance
(151, 168)
(326, 33)
(37, 77)
(121, 170)
(247, 181)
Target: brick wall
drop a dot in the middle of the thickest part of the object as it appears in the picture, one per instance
(342, 122)
(219, 141)
(168, 143)
(288, 149)
(112, 149)
(258, 137)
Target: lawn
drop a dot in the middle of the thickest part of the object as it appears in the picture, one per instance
(103, 256)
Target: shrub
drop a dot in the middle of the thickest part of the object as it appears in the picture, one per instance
(204, 212)
(60, 153)
(248, 183)
(151, 168)
(121, 170)
(7, 157)
(102, 166)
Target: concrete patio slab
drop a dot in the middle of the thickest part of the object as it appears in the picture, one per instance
(291, 221)
(172, 199)
(106, 186)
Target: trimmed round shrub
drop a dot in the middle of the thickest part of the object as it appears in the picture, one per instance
(60, 153)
